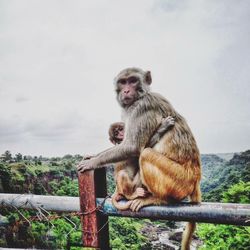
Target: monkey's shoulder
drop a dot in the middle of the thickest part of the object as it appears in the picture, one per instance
(157, 103)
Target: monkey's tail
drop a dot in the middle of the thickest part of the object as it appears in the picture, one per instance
(120, 206)
(187, 235)
(190, 227)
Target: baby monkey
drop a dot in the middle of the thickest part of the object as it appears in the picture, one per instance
(126, 173)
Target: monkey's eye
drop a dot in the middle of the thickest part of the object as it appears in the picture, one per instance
(120, 129)
(132, 80)
(122, 81)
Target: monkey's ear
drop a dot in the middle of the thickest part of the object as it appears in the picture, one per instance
(148, 78)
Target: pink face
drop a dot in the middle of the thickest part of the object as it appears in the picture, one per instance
(128, 90)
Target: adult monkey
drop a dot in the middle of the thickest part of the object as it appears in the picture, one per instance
(126, 173)
(172, 168)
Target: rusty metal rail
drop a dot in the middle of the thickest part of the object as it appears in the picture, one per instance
(94, 211)
(219, 213)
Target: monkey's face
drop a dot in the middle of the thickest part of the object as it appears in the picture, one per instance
(116, 132)
(119, 134)
(128, 89)
(130, 84)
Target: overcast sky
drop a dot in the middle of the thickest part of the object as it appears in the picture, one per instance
(58, 60)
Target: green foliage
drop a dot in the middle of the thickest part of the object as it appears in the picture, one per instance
(38, 176)
(6, 156)
(39, 188)
(223, 181)
(124, 234)
(238, 193)
(39, 232)
(220, 237)
(221, 175)
(18, 157)
(66, 187)
(110, 180)
(5, 177)
(76, 237)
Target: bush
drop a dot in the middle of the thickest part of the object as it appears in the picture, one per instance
(220, 237)
(124, 234)
(238, 193)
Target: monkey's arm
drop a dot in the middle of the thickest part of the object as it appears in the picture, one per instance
(115, 154)
(88, 157)
(137, 135)
(164, 126)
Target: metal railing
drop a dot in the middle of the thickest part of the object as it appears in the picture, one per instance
(94, 211)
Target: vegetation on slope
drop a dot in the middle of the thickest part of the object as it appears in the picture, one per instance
(223, 181)
(229, 182)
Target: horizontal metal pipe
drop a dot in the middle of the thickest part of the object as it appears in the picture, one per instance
(48, 202)
(219, 213)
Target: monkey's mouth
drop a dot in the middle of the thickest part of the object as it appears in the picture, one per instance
(127, 100)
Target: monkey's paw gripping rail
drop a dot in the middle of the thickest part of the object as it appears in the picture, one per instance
(94, 211)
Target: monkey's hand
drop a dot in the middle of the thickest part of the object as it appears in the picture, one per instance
(87, 157)
(166, 123)
(85, 165)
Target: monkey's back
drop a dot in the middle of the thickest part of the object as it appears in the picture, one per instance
(178, 143)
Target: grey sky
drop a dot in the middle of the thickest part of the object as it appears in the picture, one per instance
(58, 60)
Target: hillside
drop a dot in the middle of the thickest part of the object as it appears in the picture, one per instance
(226, 177)
(219, 174)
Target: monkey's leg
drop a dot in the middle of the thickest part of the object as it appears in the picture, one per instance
(125, 185)
(139, 190)
(130, 188)
(124, 188)
(164, 178)
(119, 192)
(116, 195)
(167, 178)
(137, 180)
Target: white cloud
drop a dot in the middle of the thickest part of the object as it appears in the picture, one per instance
(58, 60)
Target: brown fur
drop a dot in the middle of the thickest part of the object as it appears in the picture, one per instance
(172, 168)
(126, 173)
(174, 160)
(127, 178)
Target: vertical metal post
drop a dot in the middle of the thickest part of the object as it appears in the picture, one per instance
(87, 204)
(92, 184)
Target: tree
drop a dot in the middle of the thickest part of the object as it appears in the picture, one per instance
(6, 156)
(238, 193)
(18, 157)
(5, 178)
(219, 237)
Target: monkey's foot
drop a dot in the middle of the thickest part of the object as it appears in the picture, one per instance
(137, 204)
